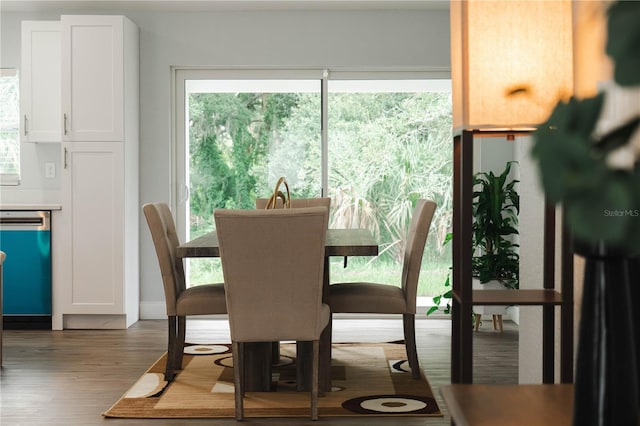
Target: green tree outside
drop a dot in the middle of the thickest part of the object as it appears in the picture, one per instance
(385, 151)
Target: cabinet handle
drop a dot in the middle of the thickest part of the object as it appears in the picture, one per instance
(65, 125)
(26, 125)
(66, 155)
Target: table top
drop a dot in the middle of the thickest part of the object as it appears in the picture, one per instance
(508, 405)
(339, 242)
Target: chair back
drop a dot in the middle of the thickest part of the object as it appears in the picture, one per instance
(165, 240)
(273, 262)
(297, 203)
(414, 249)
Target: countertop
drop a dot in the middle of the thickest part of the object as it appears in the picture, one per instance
(25, 206)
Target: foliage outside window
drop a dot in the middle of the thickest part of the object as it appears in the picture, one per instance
(385, 150)
(9, 128)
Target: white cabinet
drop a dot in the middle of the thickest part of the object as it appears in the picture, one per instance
(98, 260)
(93, 184)
(97, 52)
(99, 274)
(40, 82)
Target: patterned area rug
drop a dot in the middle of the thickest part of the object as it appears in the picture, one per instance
(368, 379)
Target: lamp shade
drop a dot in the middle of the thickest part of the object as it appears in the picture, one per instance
(591, 65)
(511, 61)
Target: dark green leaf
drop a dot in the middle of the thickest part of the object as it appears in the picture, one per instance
(623, 41)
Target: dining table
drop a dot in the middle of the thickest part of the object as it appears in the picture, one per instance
(259, 356)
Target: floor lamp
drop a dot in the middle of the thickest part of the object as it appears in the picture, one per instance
(511, 62)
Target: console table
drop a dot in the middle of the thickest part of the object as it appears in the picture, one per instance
(508, 405)
(464, 298)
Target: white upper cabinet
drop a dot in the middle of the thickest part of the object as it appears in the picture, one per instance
(96, 50)
(40, 81)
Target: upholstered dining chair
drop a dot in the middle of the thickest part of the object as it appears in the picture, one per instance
(296, 203)
(273, 261)
(207, 299)
(365, 297)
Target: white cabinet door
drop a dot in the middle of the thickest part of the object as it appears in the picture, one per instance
(40, 82)
(93, 80)
(93, 211)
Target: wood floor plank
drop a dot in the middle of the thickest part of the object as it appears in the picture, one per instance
(70, 377)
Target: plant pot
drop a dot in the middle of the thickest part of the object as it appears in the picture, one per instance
(496, 312)
(606, 383)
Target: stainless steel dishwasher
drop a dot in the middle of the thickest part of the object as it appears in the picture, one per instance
(25, 236)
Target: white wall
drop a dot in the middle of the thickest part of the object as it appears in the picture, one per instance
(531, 261)
(367, 39)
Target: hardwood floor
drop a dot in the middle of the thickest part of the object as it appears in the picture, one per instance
(70, 377)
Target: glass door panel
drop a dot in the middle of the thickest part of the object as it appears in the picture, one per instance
(243, 135)
(386, 143)
(389, 143)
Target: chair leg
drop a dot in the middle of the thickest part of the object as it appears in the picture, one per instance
(409, 323)
(301, 367)
(275, 353)
(170, 369)
(314, 380)
(238, 376)
(180, 336)
(477, 321)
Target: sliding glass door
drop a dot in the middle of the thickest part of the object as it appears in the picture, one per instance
(373, 145)
(240, 135)
(389, 144)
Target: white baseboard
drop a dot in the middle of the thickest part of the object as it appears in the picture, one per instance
(153, 310)
(158, 310)
(95, 322)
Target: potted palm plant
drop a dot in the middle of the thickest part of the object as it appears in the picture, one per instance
(496, 205)
(496, 262)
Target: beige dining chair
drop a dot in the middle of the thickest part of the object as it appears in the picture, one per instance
(207, 299)
(366, 297)
(297, 203)
(273, 261)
